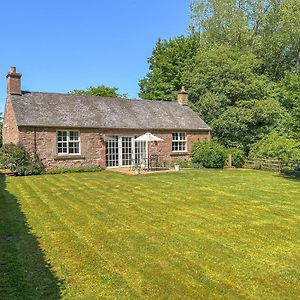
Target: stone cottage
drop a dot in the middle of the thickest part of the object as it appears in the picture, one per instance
(67, 130)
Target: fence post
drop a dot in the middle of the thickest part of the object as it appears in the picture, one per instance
(229, 161)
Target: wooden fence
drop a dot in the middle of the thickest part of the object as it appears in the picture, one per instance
(265, 164)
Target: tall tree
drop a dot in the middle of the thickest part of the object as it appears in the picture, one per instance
(166, 67)
(244, 124)
(100, 90)
(225, 70)
(1, 125)
(269, 28)
(235, 63)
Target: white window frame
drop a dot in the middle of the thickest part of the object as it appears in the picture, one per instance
(179, 140)
(68, 141)
(139, 151)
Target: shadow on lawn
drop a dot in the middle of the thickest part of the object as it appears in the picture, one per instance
(293, 175)
(24, 272)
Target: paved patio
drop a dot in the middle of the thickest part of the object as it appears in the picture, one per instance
(129, 171)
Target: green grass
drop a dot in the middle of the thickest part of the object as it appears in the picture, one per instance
(230, 234)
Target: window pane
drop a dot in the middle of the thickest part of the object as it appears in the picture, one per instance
(182, 136)
(178, 136)
(74, 135)
(175, 136)
(73, 147)
(62, 135)
(62, 147)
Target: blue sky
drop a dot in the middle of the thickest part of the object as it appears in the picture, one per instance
(60, 45)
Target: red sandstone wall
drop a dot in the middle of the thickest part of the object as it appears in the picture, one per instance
(92, 147)
(164, 149)
(10, 130)
(43, 141)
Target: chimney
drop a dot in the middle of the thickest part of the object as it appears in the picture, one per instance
(13, 82)
(183, 96)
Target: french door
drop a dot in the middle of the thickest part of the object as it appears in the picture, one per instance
(123, 151)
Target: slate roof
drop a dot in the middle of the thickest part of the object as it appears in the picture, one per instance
(68, 110)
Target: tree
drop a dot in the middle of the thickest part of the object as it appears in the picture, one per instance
(221, 77)
(221, 22)
(279, 43)
(224, 70)
(100, 90)
(242, 125)
(1, 126)
(276, 146)
(166, 67)
(241, 66)
(267, 28)
(290, 99)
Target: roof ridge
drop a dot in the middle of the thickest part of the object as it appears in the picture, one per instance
(95, 97)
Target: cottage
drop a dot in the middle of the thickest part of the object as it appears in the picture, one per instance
(67, 130)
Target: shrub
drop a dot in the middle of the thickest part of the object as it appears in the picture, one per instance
(17, 159)
(275, 146)
(237, 156)
(73, 170)
(208, 154)
(183, 163)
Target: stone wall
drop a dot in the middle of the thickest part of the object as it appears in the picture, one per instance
(164, 149)
(92, 142)
(43, 142)
(10, 132)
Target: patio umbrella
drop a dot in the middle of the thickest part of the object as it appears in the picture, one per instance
(148, 137)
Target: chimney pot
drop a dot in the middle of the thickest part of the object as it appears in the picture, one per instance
(13, 82)
(183, 97)
(13, 70)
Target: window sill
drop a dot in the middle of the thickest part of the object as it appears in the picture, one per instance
(64, 157)
(179, 153)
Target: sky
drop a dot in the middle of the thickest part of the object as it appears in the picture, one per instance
(61, 45)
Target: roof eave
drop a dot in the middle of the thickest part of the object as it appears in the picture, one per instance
(114, 128)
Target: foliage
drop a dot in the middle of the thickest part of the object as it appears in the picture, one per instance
(12, 156)
(240, 63)
(167, 63)
(289, 96)
(17, 159)
(237, 156)
(226, 72)
(244, 124)
(209, 154)
(210, 106)
(278, 40)
(100, 90)
(279, 147)
(183, 163)
(73, 170)
(91, 225)
(1, 126)
(267, 28)
(32, 168)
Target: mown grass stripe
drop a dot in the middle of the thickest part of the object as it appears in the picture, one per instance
(218, 234)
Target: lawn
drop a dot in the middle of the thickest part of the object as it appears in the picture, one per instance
(199, 234)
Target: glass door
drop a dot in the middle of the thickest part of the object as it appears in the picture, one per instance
(124, 151)
(127, 155)
(112, 151)
(140, 153)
